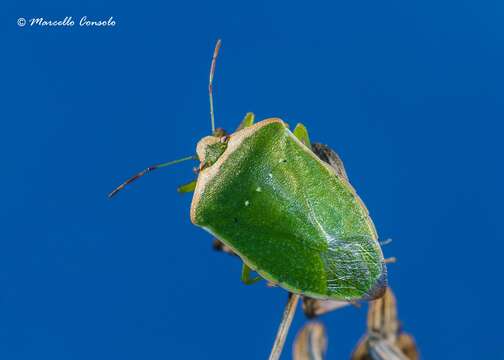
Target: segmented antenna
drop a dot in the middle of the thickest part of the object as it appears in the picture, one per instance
(147, 170)
(212, 72)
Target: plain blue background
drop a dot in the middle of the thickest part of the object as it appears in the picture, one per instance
(409, 93)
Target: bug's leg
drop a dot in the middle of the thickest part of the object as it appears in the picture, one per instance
(220, 246)
(245, 276)
(329, 156)
(187, 187)
(390, 260)
(302, 134)
(247, 121)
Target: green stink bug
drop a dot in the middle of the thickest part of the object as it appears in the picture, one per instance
(286, 213)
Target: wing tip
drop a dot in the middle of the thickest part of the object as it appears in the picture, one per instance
(379, 287)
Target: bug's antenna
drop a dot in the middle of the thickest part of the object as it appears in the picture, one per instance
(212, 72)
(147, 170)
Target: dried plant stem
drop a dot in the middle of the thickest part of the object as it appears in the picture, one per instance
(283, 329)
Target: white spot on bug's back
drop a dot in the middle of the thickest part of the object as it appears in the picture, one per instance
(258, 189)
(247, 203)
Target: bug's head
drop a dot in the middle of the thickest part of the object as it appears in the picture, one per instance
(210, 149)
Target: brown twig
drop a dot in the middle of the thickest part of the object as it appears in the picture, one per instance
(283, 329)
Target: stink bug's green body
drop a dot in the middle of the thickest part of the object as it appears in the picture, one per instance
(288, 215)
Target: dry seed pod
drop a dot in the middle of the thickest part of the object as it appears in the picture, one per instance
(407, 345)
(311, 342)
(314, 307)
(384, 339)
(361, 350)
(380, 349)
(382, 317)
